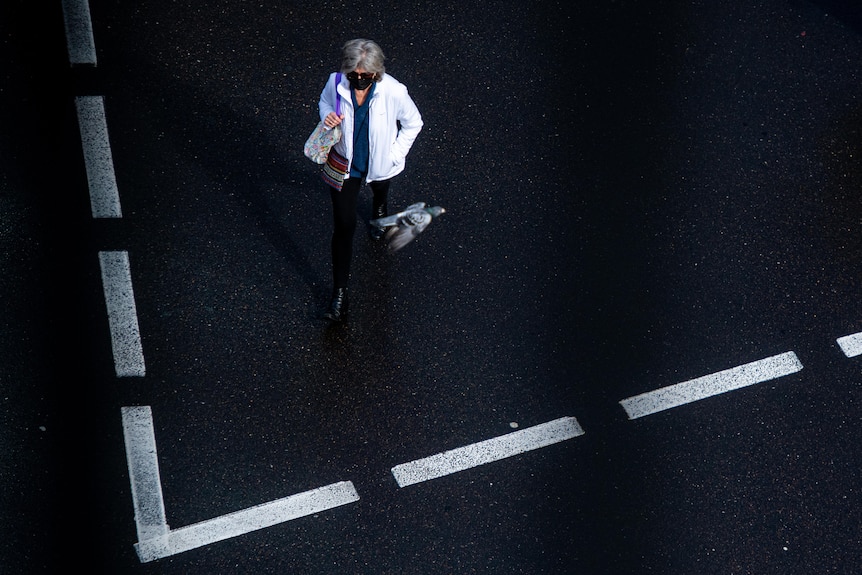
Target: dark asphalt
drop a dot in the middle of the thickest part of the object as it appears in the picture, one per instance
(637, 194)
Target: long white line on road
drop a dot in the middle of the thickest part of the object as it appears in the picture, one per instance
(709, 385)
(851, 345)
(122, 316)
(79, 32)
(143, 465)
(156, 540)
(486, 451)
(98, 160)
(247, 520)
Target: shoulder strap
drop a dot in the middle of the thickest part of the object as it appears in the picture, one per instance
(337, 95)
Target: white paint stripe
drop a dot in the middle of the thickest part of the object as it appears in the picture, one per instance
(79, 32)
(851, 345)
(98, 160)
(156, 540)
(709, 385)
(144, 473)
(486, 451)
(122, 316)
(247, 520)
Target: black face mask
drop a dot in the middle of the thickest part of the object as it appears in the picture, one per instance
(360, 83)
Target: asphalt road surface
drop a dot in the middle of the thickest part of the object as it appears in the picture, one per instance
(630, 345)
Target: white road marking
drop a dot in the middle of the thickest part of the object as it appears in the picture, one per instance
(122, 316)
(709, 385)
(79, 32)
(98, 160)
(143, 465)
(247, 520)
(156, 540)
(486, 451)
(851, 345)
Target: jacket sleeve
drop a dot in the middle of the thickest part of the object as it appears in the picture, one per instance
(327, 98)
(411, 124)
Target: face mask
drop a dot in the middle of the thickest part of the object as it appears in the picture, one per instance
(359, 82)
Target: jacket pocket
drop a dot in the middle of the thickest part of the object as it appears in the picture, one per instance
(396, 160)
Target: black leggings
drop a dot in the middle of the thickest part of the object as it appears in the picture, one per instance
(344, 223)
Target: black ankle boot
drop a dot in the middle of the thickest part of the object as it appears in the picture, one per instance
(338, 308)
(377, 213)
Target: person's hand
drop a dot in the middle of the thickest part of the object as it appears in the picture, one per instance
(331, 120)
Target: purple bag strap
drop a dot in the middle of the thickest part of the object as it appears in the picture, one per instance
(337, 95)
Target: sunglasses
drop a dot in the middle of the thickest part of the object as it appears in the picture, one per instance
(363, 76)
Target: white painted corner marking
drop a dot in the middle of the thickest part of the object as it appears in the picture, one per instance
(248, 520)
(143, 463)
(156, 540)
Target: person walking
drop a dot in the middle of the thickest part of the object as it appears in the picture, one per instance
(379, 123)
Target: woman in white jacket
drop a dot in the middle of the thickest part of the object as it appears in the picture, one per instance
(379, 123)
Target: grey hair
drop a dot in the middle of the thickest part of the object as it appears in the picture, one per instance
(362, 53)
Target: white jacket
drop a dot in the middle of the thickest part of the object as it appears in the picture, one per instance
(388, 145)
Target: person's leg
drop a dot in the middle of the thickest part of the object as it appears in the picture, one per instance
(379, 206)
(343, 229)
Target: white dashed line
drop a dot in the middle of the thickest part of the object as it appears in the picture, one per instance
(98, 160)
(156, 540)
(486, 451)
(79, 32)
(122, 316)
(851, 345)
(709, 385)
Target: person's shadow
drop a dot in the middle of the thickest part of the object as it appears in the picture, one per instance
(256, 156)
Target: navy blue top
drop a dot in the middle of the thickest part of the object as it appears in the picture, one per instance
(359, 166)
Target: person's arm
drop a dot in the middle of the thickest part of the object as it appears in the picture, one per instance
(411, 125)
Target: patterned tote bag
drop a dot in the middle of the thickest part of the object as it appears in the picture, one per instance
(323, 137)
